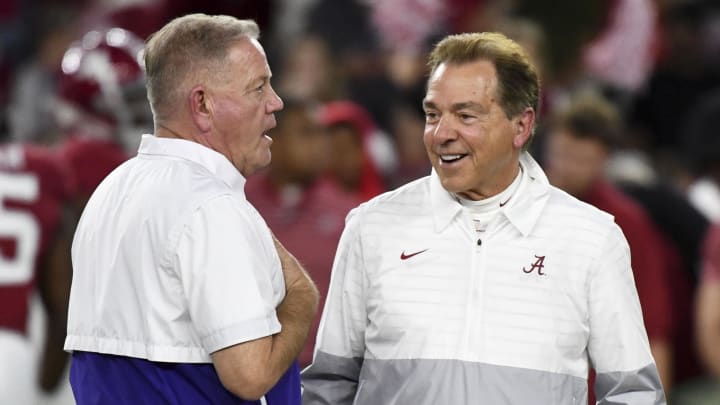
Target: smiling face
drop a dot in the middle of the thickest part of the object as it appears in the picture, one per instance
(472, 144)
(243, 104)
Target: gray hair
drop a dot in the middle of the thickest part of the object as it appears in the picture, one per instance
(186, 47)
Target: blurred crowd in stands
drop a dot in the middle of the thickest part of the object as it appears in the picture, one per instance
(631, 89)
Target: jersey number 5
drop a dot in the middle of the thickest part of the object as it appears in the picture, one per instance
(19, 226)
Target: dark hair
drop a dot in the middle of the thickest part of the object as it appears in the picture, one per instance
(290, 106)
(589, 115)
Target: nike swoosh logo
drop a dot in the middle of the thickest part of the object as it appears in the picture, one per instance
(403, 256)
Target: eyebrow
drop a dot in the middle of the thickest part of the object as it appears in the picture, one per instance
(458, 106)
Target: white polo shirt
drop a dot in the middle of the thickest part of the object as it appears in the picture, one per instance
(171, 262)
(423, 309)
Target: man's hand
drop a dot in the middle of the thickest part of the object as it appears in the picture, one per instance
(292, 270)
(252, 368)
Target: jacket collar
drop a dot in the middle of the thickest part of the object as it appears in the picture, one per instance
(522, 211)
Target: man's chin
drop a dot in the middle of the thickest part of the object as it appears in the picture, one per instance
(257, 166)
(451, 185)
(265, 162)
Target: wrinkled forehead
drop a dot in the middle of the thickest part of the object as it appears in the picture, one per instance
(471, 80)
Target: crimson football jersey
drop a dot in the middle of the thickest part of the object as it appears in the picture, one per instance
(34, 187)
(90, 160)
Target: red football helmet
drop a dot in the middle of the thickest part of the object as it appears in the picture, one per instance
(102, 79)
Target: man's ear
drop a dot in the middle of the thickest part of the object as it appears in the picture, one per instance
(524, 124)
(201, 108)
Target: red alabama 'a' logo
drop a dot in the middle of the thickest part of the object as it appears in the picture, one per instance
(538, 265)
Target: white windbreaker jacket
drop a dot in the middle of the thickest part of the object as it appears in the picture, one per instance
(421, 311)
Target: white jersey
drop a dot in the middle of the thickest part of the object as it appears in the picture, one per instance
(424, 310)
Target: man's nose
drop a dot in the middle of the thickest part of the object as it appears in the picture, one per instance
(276, 103)
(444, 130)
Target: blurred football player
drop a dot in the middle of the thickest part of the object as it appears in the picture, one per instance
(35, 236)
(101, 106)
